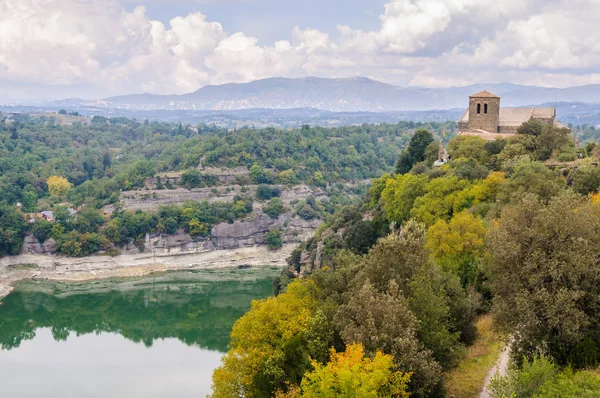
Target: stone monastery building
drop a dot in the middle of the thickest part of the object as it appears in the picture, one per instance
(486, 119)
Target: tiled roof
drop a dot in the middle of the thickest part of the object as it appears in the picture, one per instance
(484, 94)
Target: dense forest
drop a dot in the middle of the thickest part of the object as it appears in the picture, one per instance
(47, 164)
(390, 289)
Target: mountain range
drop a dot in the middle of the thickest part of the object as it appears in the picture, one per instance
(337, 95)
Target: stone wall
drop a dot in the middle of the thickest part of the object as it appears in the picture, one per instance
(508, 129)
(484, 121)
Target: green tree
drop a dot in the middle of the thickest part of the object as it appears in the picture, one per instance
(12, 230)
(273, 239)
(274, 208)
(399, 195)
(198, 228)
(531, 177)
(465, 146)
(542, 265)
(383, 322)
(531, 127)
(415, 152)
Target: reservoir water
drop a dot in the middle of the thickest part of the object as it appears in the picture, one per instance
(159, 336)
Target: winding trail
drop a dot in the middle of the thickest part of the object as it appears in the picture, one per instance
(501, 367)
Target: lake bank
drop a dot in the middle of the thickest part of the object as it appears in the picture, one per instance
(59, 268)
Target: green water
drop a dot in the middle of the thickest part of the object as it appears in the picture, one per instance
(159, 336)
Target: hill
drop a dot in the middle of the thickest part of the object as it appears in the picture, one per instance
(338, 95)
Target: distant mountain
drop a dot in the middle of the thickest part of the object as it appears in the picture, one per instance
(337, 95)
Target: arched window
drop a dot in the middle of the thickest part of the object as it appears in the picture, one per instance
(478, 108)
(485, 108)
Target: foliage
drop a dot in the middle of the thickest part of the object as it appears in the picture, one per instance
(542, 263)
(58, 186)
(458, 244)
(193, 179)
(415, 152)
(12, 229)
(399, 195)
(531, 177)
(585, 179)
(267, 192)
(470, 147)
(440, 200)
(198, 228)
(268, 345)
(531, 127)
(274, 208)
(351, 374)
(541, 378)
(273, 239)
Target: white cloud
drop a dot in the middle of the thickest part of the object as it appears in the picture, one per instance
(98, 48)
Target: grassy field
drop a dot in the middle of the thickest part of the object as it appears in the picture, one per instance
(466, 380)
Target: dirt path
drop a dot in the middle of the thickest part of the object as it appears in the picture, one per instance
(500, 367)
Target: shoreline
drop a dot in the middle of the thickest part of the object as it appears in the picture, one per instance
(14, 269)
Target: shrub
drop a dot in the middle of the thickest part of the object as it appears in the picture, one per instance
(267, 192)
(274, 208)
(273, 239)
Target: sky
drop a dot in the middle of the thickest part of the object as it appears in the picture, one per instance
(98, 48)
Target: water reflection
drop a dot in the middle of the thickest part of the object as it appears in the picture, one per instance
(197, 308)
(77, 340)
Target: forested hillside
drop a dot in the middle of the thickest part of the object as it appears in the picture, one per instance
(507, 228)
(53, 163)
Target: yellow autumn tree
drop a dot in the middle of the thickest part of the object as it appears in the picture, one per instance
(457, 244)
(58, 186)
(350, 374)
(268, 345)
(596, 198)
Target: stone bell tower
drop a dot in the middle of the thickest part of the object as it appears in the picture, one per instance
(484, 112)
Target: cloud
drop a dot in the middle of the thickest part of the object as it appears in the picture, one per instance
(99, 48)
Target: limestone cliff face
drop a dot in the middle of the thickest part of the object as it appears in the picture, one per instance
(240, 234)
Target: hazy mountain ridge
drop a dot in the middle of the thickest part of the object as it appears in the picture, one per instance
(337, 95)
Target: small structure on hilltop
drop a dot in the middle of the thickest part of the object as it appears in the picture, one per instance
(486, 119)
(443, 156)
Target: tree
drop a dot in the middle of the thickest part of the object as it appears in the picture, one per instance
(469, 169)
(458, 244)
(351, 374)
(415, 152)
(531, 177)
(12, 230)
(268, 350)
(273, 239)
(191, 179)
(585, 179)
(399, 195)
(438, 202)
(274, 208)
(465, 146)
(58, 186)
(383, 322)
(541, 378)
(198, 228)
(542, 265)
(531, 127)
(287, 177)
(267, 192)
